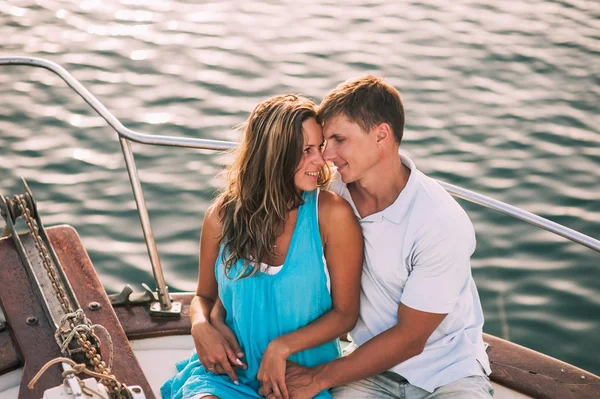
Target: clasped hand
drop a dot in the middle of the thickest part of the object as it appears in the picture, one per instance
(299, 383)
(271, 372)
(219, 352)
(218, 349)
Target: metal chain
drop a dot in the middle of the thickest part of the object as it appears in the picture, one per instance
(43, 252)
(115, 387)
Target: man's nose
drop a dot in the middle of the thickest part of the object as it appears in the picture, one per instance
(328, 154)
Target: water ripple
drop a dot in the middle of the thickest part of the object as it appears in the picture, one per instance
(501, 98)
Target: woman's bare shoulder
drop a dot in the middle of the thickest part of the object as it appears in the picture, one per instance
(212, 219)
(340, 230)
(332, 207)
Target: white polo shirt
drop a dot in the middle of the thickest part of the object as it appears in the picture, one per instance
(417, 251)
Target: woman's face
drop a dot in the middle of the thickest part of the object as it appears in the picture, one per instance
(312, 160)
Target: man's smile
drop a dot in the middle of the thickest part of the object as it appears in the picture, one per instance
(342, 166)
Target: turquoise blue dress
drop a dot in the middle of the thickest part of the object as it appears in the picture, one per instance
(263, 307)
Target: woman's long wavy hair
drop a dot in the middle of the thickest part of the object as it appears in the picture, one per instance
(260, 182)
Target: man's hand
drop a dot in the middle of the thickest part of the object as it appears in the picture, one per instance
(301, 381)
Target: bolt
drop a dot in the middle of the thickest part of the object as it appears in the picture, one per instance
(94, 306)
(136, 390)
(32, 321)
(583, 377)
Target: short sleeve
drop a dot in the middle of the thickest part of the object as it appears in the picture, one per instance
(441, 268)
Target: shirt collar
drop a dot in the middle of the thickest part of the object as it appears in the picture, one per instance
(397, 211)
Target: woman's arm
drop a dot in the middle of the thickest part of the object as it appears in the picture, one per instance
(343, 248)
(213, 350)
(207, 290)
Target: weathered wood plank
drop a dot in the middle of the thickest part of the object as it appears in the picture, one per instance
(88, 288)
(538, 375)
(36, 343)
(138, 324)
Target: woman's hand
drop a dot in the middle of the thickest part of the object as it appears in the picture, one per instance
(214, 352)
(217, 320)
(231, 339)
(271, 373)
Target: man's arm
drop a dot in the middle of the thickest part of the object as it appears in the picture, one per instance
(384, 351)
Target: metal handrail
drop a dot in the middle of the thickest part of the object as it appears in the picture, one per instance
(126, 135)
(109, 117)
(523, 215)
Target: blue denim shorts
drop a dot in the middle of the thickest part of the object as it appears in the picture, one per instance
(390, 385)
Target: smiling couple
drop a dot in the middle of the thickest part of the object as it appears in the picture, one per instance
(293, 256)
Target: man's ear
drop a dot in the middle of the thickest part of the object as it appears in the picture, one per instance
(383, 132)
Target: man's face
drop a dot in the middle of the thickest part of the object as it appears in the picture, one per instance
(351, 150)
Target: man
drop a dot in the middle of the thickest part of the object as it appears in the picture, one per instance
(420, 329)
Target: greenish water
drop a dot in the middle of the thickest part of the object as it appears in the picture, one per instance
(501, 98)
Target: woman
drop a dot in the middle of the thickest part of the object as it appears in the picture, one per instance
(283, 257)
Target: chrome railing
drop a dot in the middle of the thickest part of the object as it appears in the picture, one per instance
(523, 215)
(126, 135)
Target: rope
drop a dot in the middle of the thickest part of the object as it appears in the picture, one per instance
(77, 368)
(86, 328)
(88, 391)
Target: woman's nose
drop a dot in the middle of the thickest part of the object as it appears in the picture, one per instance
(318, 159)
